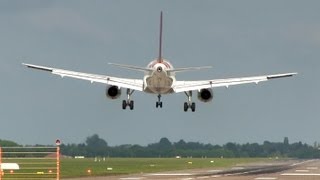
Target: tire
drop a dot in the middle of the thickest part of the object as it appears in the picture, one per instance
(185, 107)
(124, 104)
(193, 107)
(131, 104)
(160, 104)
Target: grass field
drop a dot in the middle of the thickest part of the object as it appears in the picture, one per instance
(80, 167)
(41, 168)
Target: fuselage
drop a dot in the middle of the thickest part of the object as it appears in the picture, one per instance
(160, 79)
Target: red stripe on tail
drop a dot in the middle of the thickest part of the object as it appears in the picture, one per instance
(160, 41)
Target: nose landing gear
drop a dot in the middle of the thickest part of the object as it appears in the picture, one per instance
(159, 102)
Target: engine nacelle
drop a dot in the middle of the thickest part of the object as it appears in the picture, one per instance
(113, 92)
(205, 95)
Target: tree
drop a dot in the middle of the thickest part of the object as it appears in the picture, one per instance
(165, 144)
(96, 146)
(6, 143)
(286, 141)
(95, 141)
(180, 145)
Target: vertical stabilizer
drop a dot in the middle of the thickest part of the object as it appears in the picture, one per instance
(160, 40)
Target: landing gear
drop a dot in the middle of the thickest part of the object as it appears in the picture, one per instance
(128, 102)
(189, 104)
(159, 102)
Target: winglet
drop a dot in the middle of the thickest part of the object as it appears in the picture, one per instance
(160, 40)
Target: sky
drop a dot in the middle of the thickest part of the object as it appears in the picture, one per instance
(237, 38)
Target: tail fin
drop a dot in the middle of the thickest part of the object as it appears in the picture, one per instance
(160, 40)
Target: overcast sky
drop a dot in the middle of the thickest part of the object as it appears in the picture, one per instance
(237, 38)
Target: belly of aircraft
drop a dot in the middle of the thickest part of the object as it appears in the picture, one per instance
(159, 84)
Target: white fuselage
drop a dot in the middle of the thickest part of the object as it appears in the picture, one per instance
(160, 80)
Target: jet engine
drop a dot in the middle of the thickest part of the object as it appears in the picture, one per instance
(113, 92)
(205, 95)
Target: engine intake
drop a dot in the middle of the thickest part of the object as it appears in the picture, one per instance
(113, 92)
(205, 95)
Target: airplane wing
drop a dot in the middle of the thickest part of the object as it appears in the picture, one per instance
(182, 86)
(134, 84)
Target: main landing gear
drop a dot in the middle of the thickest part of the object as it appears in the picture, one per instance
(189, 104)
(128, 102)
(159, 102)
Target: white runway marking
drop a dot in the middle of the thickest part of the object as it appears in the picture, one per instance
(299, 163)
(216, 176)
(266, 178)
(131, 178)
(302, 170)
(299, 174)
(312, 168)
(169, 174)
(204, 177)
(214, 171)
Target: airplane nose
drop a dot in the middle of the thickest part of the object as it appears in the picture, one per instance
(159, 69)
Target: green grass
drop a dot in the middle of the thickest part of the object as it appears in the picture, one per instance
(79, 167)
(120, 166)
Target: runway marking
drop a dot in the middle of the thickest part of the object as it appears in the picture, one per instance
(265, 178)
(203, 177)
(299, 163)
(131, 178)
(214, 171)
(169, 174)
(302, 170)
(215, 176)
(299, 174)
(312, 168)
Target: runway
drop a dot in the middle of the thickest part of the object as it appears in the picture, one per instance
(288, 170)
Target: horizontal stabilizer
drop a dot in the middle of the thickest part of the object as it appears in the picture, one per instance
(136, 68)
(189, 69)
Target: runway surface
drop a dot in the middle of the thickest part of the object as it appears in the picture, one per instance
(289, 170)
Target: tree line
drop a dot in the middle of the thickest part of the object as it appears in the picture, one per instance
(95, 146)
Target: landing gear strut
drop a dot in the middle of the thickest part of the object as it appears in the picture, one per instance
(189, 104)
(128, 102)
(159, 102)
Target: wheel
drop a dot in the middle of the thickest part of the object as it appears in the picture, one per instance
(185, 107)
(124, 104)
(131, 105)
(193, 107)
(160, 103)
(157, 104)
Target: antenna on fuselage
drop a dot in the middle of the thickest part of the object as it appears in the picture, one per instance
(160, 41)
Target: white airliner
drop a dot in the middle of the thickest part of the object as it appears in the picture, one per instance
(159, 79)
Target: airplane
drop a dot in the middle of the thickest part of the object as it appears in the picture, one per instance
(159, 78)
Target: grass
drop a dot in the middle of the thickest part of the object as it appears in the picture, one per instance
(33, 168)
(120, 166)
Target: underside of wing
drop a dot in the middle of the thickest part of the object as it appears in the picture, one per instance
(135, 84)
(183, 86)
